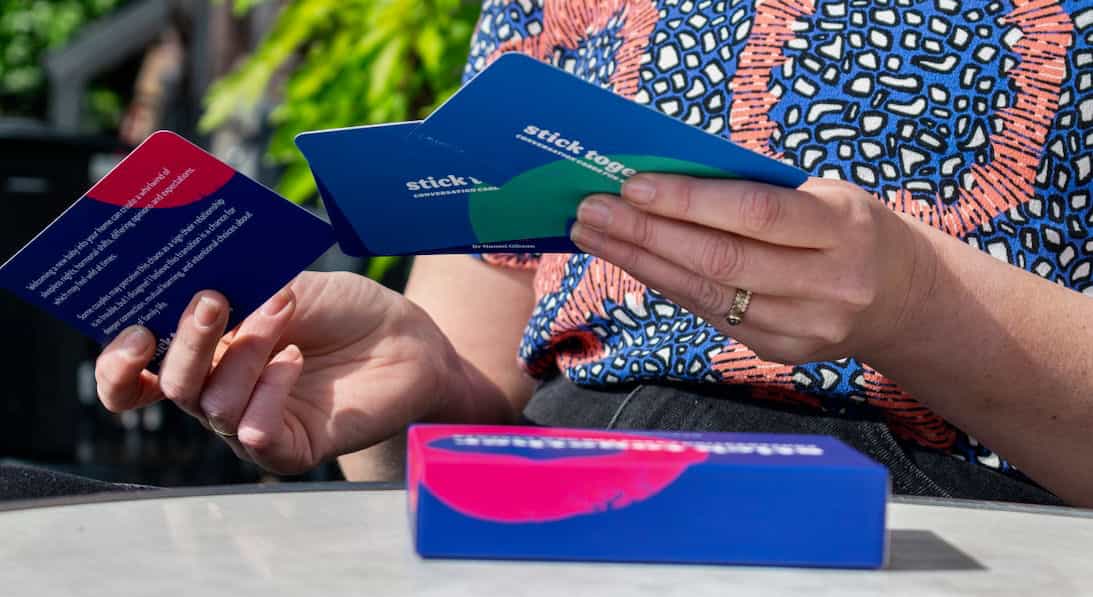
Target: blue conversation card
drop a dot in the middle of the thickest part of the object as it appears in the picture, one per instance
(546, 139)
(388, 195)
(170, 220)
(484, 175)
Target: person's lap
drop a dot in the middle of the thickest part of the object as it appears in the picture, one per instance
(22, 482)
(913, 470)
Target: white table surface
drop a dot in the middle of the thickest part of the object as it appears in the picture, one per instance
(349, 541)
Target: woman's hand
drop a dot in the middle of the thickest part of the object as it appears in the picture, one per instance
(330, 365)
(833, 271)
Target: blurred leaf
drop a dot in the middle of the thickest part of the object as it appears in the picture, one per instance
(296, 183)
(379, 266)
(242, 7)
(28, 30)
(104, 109)
(348, 62)
(243, 89)
(430, 48)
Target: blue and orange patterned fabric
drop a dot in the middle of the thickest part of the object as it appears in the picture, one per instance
(975, 117)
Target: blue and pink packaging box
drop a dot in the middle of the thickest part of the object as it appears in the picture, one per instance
(701, 498)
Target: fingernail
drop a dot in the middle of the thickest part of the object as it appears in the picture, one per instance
(277, 303)
(136, 341)
(594, 212)
(585, 237)
(206, 312)
(637, 190)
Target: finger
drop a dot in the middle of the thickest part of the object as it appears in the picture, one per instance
(120, 378)
(784, 324)
(780, 329)
(725, 258)
(708, 298)
(262, 430)
(698, 294)
(776, 215)
(189, 358)
(232, 382)
(223, 344)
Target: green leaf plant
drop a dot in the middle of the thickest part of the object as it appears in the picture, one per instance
(348, 62)
(29, 30)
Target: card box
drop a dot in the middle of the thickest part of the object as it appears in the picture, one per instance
(714, 498)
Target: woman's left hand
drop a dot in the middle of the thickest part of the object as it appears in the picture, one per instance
(833, 271)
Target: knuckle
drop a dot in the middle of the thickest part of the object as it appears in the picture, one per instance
(709, 296)
(760, 210)
(174, 389)
(830, 332)
(254, 364)
(112, 402)
(720, 259)
(857, 291)
(684, 196)
(247, 357)
(189, 342)
(643, 232)
(221, 403)
(860, 296)
(260, 443)
(629, 258)
(212, 408)
(858, 213)
(108, 385)
(105, 376)
(218, 414)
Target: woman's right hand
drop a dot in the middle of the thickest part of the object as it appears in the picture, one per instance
(330, 365)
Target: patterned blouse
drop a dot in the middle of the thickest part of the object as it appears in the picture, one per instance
(975, 117)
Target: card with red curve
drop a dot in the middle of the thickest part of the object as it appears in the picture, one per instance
(168, 221)
(629, 496)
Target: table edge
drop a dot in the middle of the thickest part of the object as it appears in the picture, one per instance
(340, 486)
(1066, 511)
(167, 493)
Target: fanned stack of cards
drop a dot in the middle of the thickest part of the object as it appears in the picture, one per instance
(500, 167)
(503, 164)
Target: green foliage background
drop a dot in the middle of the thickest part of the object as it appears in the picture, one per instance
(28, 30)
(350, 62)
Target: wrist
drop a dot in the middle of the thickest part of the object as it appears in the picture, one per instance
(914, 315)
(466, 396)
(477, 399)
(456, 391)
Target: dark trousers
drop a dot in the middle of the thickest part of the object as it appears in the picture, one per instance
(913, 470)
(18, 482)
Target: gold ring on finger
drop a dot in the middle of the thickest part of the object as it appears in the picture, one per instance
(740, 304)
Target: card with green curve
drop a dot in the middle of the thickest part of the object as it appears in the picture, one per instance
(503, 165)
(542, 202)
(546, 139)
